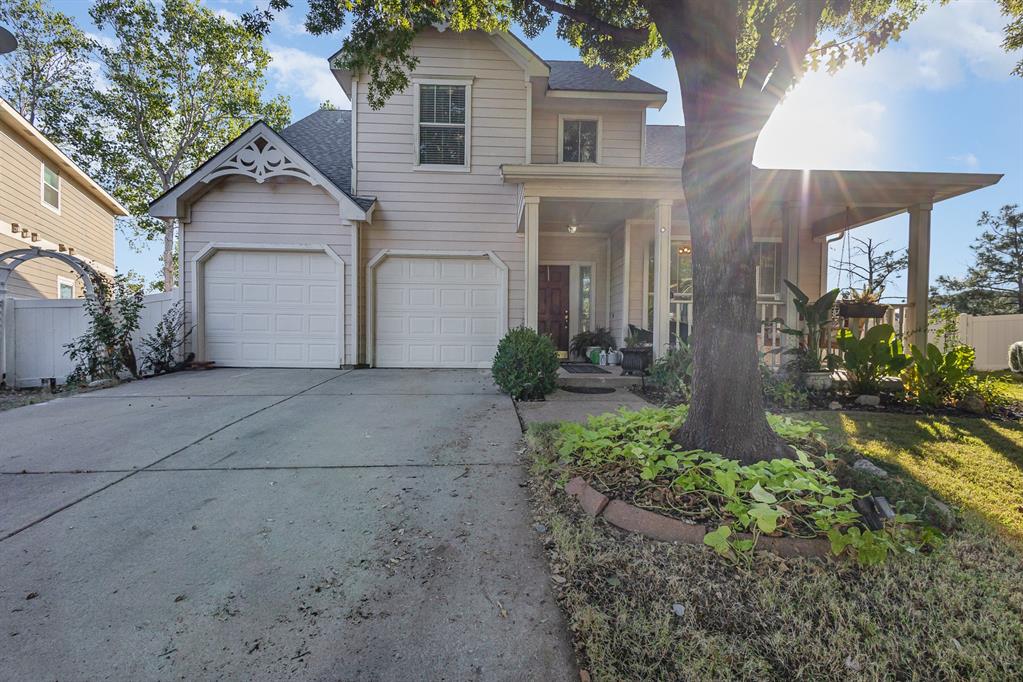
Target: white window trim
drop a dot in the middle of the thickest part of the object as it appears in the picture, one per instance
(443, 167)
(561, 138)
(62, 281)
(43, 186)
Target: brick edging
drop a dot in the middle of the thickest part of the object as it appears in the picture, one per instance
(666, 529)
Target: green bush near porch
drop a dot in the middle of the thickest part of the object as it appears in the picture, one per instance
(526, 365)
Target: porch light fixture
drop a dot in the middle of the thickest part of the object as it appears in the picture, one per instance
(685, 249)
(572, 227)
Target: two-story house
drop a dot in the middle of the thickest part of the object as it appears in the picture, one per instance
(47, 202)
(498, 189)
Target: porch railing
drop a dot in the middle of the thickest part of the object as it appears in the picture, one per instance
(770, 339)
(769, 336)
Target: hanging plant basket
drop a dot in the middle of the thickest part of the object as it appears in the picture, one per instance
(873, 311)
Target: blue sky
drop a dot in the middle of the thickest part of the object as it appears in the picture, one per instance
(941, 99)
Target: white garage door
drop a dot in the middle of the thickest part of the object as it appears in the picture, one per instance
(437, 312)
(273, 309)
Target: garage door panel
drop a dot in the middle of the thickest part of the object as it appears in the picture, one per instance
(273, 309)
(444, 313)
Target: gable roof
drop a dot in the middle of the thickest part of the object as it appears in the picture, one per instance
(575, 75)
(227, 161)
(324, 138)
(47, 149)
(665, 146)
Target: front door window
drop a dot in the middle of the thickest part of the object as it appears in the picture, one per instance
(585, 297)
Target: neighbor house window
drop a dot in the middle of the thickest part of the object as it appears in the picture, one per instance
(579, 140)
(442, 128)
(65, 288)
(51, 187)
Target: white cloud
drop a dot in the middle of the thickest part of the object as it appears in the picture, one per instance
(969, 159)
(227, 14)
(841, 120)
(304, 73)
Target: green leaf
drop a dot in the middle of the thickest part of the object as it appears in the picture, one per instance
(718, 540)
(726, 481)
(766, 517)
(760, 495)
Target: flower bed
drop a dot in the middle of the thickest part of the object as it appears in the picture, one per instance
(630, 458)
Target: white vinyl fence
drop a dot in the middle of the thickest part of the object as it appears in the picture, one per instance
(991, 336)
(35, 331)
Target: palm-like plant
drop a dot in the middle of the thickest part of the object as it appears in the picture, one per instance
(816, 317)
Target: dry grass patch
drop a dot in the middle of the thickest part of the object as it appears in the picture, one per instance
(643, 610)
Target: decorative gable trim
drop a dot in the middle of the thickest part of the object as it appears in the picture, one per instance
(261, 159)
(260, 154)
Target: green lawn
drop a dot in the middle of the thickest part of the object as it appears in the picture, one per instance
(977, 464)
(1011, 383)
(643, 610)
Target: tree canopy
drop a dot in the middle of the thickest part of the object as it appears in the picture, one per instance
(994, 283)
(179, 82)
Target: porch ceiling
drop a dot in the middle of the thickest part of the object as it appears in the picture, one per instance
(591, 215)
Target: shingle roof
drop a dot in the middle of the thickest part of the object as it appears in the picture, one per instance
(575, 75)
(324, 138)
(665, 146)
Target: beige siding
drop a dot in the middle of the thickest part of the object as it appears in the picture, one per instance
(449, 210)
(36, 278)
(82, 223)
(283, 211)
(621, 129)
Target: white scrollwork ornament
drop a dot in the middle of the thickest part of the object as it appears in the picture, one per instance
(260, 159)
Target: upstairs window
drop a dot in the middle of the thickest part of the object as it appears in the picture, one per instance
(442, 125)
(51, 187)
(579, 140)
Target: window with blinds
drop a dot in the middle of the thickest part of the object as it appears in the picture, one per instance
(579, 141)
(442, 125)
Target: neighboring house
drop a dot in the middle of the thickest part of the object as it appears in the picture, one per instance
(499, 189)
(47, 202)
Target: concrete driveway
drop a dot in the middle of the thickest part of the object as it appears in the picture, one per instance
(274, 524)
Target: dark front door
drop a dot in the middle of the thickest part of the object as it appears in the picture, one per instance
(552, 311)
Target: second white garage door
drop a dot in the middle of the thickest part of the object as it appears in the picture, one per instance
(437, 312)
(273, 309)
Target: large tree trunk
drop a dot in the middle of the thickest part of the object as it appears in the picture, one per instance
(168, 254)
(722, 124)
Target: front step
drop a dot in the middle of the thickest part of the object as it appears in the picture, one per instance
(614, 378)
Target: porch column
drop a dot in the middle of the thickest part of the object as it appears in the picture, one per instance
(791, 224)
(662, 267)
(917, 281)
(532, 234)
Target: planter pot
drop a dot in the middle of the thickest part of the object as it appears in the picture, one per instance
(614, 357)
(636, 360)
(590, 350)
(871, 311)
(817, 381)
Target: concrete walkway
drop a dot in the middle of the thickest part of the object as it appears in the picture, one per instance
(578, 407)
(274, 524)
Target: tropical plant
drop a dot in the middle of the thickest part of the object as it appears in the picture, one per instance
(526, 364)
(734, 60)
(104, 351)
(635, 341)
(934, 378)
(160, 350)
(1016, 357)
(600, 337)
(672, 373)
(878, 353)
(816, 316)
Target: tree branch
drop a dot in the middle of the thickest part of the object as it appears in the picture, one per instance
(628, 37)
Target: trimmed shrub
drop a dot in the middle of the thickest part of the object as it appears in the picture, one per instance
(1016, 357)
(526, 365)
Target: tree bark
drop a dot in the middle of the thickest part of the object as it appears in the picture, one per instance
(722, 124)
(168, 254)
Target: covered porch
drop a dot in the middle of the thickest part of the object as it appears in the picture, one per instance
(610, 247)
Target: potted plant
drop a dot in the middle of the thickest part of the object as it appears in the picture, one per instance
(636, 356)
(584, 343)
(871, 270)
(811, 355)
